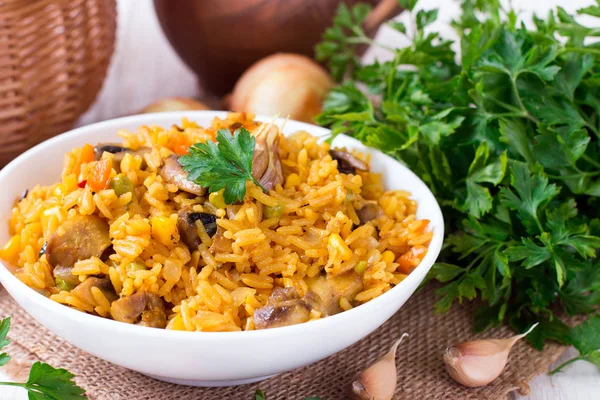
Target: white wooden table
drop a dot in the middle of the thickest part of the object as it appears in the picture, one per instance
(145, 69)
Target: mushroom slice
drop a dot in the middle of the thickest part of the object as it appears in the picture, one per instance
(84, 289)
(220, 244)
(78, 238)
(368, 212)
(154, 314)
(141, 308)
(128, 309)
(112, 148)
(348, 163)
(64, 274)
(172, 172)
(285, 308)
(331, 289)
(186, 225)
(119, 152)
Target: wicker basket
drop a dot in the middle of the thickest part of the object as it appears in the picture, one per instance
(54, 55)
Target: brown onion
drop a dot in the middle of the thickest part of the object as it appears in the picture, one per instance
(285, 84)
(175, 104)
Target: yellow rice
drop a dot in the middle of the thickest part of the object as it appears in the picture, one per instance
(219, 292)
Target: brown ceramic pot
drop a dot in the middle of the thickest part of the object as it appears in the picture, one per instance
(219, 39)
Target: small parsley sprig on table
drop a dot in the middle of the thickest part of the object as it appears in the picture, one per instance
(45, 382)
(506, 134)
(225, 164)
(586, 339)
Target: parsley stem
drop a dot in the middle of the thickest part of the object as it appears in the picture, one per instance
(561, 366)
(591, 160)
(258, 184)
(573, 176)
(526, 113)
(23, 385)
(583, 50)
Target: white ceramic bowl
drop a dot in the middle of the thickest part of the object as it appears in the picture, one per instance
(205, 358)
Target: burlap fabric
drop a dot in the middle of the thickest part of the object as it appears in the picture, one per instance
(421, 373)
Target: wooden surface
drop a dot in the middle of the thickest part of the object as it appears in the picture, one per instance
(145, 68)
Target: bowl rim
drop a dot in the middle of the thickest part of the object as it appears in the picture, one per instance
(419, 273)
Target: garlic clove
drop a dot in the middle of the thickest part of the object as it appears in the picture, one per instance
(377, 382)
(479, 362)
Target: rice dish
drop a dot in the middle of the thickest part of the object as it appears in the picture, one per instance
(124, 234)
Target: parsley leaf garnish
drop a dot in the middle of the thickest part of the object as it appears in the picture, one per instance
(225, 164)
(506, 136)
(45, 382)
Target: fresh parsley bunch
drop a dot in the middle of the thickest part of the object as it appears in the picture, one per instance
(506, 136)
(45, 382)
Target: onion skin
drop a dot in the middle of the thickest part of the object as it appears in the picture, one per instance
(285, 84)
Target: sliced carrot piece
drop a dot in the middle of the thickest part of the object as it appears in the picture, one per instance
(180, 149)
(408, 261)
(98, 180)
(86, 155)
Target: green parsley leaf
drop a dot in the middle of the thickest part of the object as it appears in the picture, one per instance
(553, 329)
(399, 26)
(4, 327)
(225, 164)
(443, 272)
(532, 190)
(560, 148)
(581, 295)
(530, 253)
(479, 199)
(514, 132)
(586, 339)
(337, 49)
(46, 382)
(425, 18)
(591, 10)
(408, 4)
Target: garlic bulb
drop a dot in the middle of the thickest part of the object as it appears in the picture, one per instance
(286, 84)
(378, 382)
(479, 362)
